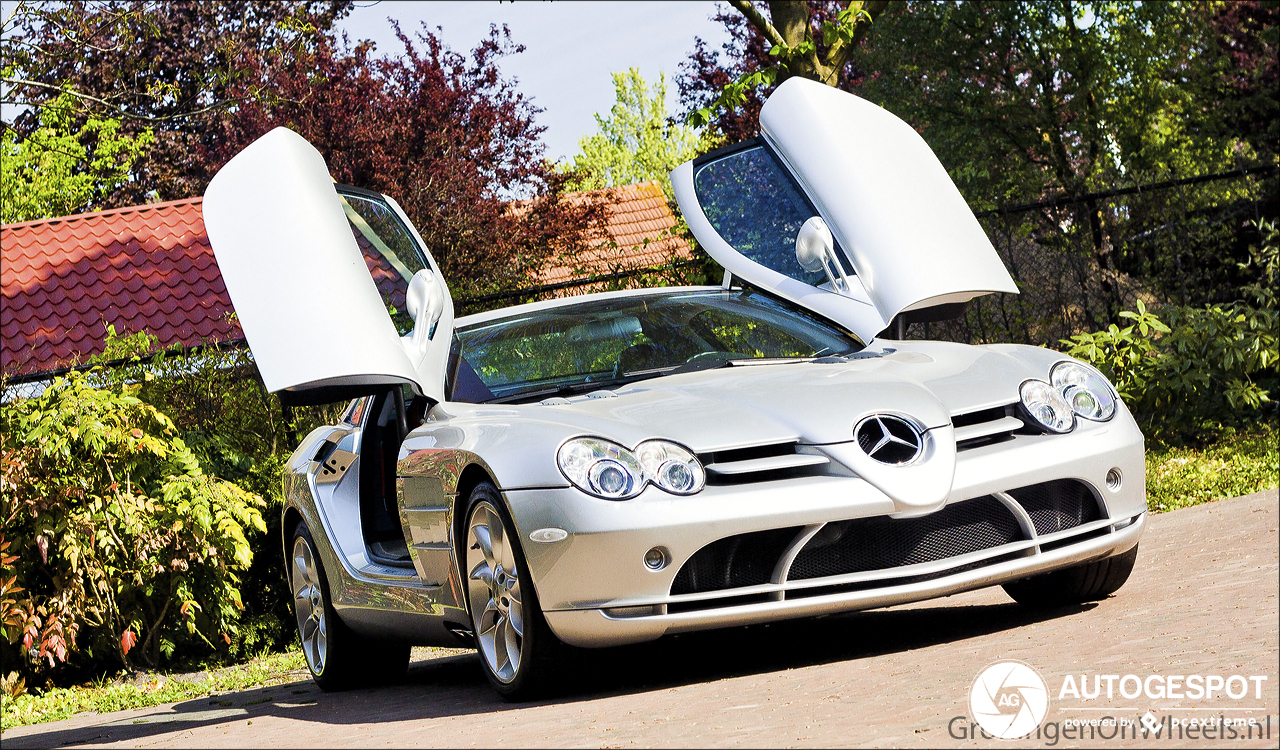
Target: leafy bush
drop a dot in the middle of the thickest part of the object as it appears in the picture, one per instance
(1188, 372)
(240, 433)
(118, 544)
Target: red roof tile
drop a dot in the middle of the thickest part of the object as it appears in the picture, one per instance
(151, 268)
(640, 235)
(139, 268)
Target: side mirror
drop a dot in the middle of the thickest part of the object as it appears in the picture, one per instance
(425, 302)
(816, 251)
(814, 244)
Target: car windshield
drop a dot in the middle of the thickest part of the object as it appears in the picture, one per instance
(607, 342)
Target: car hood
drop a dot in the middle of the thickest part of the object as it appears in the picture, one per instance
(734, 407)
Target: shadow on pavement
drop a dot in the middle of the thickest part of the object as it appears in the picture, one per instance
(455, 685)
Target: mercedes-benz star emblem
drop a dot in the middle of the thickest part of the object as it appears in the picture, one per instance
(889, 439)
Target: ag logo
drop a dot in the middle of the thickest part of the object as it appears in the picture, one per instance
(1009, 700)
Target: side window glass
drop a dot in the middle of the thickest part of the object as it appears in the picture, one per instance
(389, 250)
(355, 412)
(755, 206)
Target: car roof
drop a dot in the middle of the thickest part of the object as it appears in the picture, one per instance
(550, 304)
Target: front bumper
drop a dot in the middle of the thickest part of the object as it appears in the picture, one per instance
(595, 589)
(596, 627)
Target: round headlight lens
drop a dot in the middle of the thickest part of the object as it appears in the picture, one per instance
(610, 478)
(671, 467)
(1088, 393)
(601, 468)
(1047, 406)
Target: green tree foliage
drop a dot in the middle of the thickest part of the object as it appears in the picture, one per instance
(59, 168)
(638, 140)
(1189, 371)
(118, 544)
(1028, 100)
(809, 40)
(444, 133)
(1058, 94)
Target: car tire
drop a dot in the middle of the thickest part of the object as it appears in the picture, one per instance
(519, 653)
(1082, 583)
(338, 658)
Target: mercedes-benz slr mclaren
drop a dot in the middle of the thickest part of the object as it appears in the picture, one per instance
(611, 468)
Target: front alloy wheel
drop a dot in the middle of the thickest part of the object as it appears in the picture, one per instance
(494, 589)
(516, 646)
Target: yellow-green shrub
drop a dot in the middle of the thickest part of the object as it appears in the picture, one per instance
(119, 546)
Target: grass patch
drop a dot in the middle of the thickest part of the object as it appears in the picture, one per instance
(1238, 464)
(61, 703)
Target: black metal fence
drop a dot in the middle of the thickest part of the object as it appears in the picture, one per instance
(1078, 261)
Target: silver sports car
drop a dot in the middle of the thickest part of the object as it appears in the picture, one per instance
(610, 468)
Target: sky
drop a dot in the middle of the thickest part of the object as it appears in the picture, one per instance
(571, 48)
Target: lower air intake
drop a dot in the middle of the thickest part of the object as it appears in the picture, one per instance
(879, 543)
(1058, 505)
(735, 561)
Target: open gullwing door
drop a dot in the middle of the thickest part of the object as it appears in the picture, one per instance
(892, 233)
(312, 270)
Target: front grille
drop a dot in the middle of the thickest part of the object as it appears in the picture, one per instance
(878, 543)
(847, 588)
(985, 426)
(761, 463)
(981, 416)
(1058, 505)
(733, 562)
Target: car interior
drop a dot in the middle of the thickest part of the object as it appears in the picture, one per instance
(390, 419)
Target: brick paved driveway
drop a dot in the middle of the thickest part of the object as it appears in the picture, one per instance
(1203, 600)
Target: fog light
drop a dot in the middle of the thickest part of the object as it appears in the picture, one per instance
(655, 559)
(1114, 479)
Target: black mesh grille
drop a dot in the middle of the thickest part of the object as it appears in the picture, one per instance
(878, 543)
(1058, 505)
(740, 560)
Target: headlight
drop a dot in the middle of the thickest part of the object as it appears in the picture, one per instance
(671, 467)
(1085, 390)
(601, 468)
(1047, 406)
(608, 470)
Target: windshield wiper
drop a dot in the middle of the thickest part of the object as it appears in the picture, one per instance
(573, 389)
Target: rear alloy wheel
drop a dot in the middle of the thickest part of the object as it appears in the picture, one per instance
(1083, 583)
(337, 657)
(516, 646)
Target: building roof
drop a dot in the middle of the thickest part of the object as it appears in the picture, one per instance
(640, 234)
(139, 268)
(151, 268)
